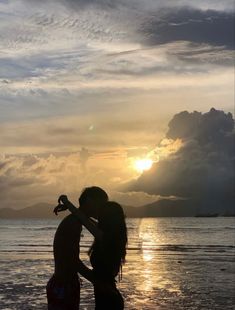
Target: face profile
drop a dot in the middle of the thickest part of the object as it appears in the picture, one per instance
(92, 200)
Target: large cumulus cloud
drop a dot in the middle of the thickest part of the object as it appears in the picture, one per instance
(203, 168)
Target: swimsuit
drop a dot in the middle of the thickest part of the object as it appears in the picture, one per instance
(64, 296)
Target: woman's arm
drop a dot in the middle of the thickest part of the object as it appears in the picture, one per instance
(89, 224)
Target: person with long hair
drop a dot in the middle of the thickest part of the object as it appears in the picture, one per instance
(107, 253)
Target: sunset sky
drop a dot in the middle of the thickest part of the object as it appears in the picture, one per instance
(88, 88)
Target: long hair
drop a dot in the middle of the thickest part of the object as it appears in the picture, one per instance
(112, 223)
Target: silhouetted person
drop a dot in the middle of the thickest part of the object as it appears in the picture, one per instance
(63, 289)
(107, 255)
(107, 252)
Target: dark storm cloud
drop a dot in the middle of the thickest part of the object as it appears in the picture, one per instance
(212, 127)
(212, 27)
(203, 168)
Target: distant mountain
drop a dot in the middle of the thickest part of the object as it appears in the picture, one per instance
(39, 210)
(161, 208)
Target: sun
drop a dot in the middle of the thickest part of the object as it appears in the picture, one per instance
(142, 165)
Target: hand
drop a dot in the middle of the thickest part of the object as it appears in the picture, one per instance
(60, 208)
(63, 199)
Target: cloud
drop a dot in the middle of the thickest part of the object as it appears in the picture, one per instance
(213, 126)
(203, 167)
(195, 159)
(211, 27)
(59, 48)
(70, 134)
(84, 156)
(199, 56)
(82, 4)
(93, 74)
(137, 4)
(28, 178)
(136, 199)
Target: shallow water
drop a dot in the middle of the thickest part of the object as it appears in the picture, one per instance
(172, 263)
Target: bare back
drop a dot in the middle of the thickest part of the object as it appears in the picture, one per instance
(66, 248)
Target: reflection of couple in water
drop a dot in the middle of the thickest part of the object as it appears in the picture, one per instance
(107, 253)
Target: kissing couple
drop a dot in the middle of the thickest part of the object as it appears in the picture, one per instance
(107, 253)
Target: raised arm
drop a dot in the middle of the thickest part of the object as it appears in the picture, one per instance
(89, 224)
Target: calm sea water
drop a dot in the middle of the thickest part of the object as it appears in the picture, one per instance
(172, 263)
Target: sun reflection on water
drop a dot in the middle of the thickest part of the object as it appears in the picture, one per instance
(149, 274)
(147, 256)
(153, 267)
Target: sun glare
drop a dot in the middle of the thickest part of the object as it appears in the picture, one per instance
(143, 164)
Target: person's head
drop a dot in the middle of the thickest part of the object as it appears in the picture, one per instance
(111, 221)
(92, 200)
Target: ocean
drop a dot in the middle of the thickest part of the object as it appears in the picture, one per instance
(172, 263)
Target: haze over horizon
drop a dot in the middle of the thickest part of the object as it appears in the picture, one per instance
(88, 88)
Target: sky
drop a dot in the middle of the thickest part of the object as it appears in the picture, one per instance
(88, 87)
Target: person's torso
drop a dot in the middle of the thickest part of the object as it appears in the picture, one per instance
(105, 264)
(66, 248)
